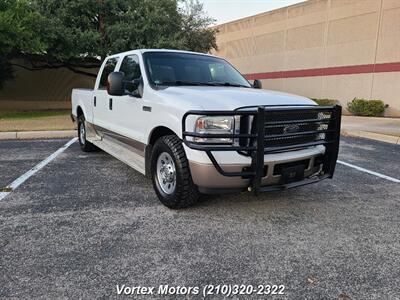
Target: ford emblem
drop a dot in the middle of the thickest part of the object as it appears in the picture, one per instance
(291, 128)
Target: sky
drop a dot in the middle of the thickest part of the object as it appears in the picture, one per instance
(228, 10)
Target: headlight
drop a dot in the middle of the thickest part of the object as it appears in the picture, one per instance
(215, 125)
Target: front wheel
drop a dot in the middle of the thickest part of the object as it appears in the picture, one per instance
(170, 173)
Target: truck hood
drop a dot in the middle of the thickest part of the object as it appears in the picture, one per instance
(227, 98)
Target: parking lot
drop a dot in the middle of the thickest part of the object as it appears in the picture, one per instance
(86, 222)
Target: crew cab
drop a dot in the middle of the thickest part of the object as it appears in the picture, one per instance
(193, 124)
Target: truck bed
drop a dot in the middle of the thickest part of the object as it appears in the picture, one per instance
(83, 98)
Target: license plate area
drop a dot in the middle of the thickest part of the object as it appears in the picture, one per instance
(292, 174)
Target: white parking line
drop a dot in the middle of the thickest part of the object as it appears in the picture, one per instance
(368, 171)
(17, 182)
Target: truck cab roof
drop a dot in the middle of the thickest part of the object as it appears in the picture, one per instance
(136, 51)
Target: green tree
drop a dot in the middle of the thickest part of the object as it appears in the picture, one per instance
(19, 24)
(197, 34)
(78, 34)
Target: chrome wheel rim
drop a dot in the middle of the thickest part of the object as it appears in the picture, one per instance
(82, 133)
(166, 173)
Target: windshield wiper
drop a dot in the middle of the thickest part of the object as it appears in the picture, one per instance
(182, 82)
(229, 84)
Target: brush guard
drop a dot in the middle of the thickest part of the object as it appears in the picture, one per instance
(269, 133)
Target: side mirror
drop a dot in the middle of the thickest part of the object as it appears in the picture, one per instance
(115, 84)
(257, 84)
(135, 87)
(140, 87)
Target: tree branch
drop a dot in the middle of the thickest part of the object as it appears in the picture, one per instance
(65, 65)
(28, 68)
(81, 72)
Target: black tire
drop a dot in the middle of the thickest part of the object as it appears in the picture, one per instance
(85, 145)
(186, 192)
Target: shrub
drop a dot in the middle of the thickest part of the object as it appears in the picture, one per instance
(325, 102)
(367, 108)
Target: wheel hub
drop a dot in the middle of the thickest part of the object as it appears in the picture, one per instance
(166, 173)
(82, 133)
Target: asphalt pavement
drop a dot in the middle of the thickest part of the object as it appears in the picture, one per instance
(86, 223)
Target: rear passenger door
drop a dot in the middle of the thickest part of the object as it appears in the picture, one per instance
(103, 102)
(127, 115)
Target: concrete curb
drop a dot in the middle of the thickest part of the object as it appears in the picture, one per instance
(373, 136)
(27, 135)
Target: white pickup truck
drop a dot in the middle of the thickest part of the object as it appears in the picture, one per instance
(194, 124)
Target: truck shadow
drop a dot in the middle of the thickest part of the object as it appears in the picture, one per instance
(292, 196)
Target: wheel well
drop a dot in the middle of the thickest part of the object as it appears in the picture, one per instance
(154, 136)
(159, 132)
(79, 112)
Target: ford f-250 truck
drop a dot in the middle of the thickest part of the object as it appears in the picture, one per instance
(194, 124)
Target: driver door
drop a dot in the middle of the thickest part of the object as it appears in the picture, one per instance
(127, 113)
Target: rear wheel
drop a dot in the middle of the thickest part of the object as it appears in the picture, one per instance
(170, 173)
(85, 145)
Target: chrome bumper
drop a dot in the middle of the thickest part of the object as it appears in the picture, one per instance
(206, 176)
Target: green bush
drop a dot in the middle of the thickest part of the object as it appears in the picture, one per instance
(325, 102)
(367, 108)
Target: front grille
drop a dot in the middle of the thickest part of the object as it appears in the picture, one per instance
(287, 129)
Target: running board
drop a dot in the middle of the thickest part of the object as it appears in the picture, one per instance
(121, 151)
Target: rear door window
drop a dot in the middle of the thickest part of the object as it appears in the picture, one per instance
(109, 67)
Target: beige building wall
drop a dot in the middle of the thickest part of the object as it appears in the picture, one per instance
(341, 48)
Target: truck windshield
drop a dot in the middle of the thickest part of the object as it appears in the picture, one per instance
(174, 68)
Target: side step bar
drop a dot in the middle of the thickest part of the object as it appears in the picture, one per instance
(122, 152)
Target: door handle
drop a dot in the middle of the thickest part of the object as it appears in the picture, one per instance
(94, 101)
(110, 103)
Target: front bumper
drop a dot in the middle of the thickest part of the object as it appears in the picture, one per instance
(262, 174)
(209, 181)
(206, 176)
